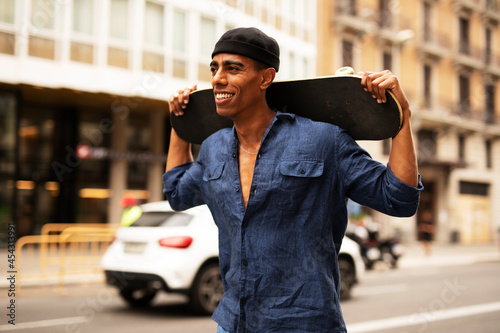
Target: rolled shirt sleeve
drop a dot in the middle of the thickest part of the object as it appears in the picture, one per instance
(373, 184)
(181, 185)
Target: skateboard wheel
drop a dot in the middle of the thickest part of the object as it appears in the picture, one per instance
(345, 71)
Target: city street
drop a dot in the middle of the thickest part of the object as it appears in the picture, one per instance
(459, 298)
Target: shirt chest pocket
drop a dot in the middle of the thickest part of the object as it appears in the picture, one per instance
(212, 176)
(299, 182)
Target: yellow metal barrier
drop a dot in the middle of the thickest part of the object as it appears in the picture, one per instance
(57, 228)
(62, 252)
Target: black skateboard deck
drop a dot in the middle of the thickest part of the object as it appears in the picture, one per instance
(339, 100)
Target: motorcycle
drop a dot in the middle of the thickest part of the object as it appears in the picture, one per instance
(373, 249)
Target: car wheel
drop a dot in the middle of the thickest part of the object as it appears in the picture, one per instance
(207, 289)
(347, 278)
(138, 297)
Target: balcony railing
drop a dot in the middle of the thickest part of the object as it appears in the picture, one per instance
(445, 109)
(467, 5)
(434, 44)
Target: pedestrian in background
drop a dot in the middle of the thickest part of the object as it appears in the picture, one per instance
(426, 228)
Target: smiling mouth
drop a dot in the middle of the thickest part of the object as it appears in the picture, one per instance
(223, 96)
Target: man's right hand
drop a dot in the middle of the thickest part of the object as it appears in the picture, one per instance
(179, 151)
(178, 100)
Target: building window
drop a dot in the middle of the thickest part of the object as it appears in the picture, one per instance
(7, 8)
(117, 57)
(426, 144)
(387, 60)
(41, 47)
(7, 43)
(153, 61)
(7, 38)
(427, 86)
(207, 36)
(489, 160)
(427, 22)
(472, 188)
(490, 103)
(207, 42)
(42, 44)
(179, 45)
(464, 95)
(487, 47)
(83, 17)
(385, 14)
(461, 148)
(82, 52)
(153, 24)
(118, 19)
(464, 35)
(232, 3)
(249, 7)
(152, 56)
(347, 53)
(119, 32)
(43, 14)
(81, 48)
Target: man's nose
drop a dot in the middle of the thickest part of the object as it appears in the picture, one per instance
(219, 77)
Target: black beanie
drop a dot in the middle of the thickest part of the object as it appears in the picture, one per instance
(251, 43)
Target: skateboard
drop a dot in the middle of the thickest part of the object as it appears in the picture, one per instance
(338, 99)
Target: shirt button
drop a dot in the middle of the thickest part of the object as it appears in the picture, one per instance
(234, 155)
(245, 263)
(245, 224)
(302, 171)
(237, 189)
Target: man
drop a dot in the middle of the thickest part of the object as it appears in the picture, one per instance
(277, 185)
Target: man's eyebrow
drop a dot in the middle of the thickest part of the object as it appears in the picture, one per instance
(233, 62)
(227, 63)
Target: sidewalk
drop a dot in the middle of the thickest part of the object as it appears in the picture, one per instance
(414, 256)
(449, 255)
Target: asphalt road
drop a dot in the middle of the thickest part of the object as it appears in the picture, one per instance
(438, 299)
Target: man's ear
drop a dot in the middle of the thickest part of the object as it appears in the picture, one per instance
(268, 76)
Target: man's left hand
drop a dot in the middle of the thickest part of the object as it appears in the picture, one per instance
(377, 83)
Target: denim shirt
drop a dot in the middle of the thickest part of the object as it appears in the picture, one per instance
(278, 258)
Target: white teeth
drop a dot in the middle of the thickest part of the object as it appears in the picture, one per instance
(223, 95)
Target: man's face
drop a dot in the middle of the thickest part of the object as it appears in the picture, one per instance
(236, 84)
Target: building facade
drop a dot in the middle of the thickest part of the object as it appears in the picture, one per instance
(447, 56)
(83, 90)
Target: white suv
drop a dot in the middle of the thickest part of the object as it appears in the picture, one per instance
(178, 252)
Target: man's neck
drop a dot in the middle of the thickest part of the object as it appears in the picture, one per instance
(251, 129)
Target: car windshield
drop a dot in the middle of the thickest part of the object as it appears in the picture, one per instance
(162, 219)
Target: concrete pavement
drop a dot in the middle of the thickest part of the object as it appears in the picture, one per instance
(449, 254)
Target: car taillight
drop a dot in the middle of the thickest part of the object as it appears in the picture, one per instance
(179, 242)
